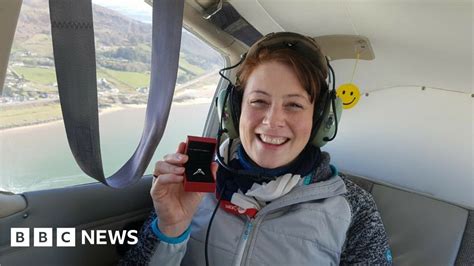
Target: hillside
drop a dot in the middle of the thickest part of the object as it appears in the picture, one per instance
(123, 54)
(118, 39)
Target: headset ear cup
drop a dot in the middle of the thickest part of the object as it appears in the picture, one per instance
(328, 124)
(236, 100)
(224, 112)
(235, 103)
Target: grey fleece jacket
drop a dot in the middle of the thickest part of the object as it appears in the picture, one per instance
(331, 222)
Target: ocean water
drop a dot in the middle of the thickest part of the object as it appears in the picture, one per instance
(38, 157)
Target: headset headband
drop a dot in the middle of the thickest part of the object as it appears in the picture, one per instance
(303, 44)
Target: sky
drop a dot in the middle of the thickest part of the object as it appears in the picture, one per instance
(138, 5)
(137, 9)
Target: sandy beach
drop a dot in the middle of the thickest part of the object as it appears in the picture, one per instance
(58, 121)
(106, 111)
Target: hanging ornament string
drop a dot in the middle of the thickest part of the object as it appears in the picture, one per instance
(355, 67)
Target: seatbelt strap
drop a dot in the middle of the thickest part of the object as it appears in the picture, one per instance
(74, 56)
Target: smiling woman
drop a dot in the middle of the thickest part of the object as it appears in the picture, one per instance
(273, 174)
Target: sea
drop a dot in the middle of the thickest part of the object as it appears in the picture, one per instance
(38, 157)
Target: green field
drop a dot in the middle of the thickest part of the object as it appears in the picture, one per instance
(31, 114)
(36, 47)
(193, 69)
(128, 81)
(40, 44)
(43, 76)
(124, 80)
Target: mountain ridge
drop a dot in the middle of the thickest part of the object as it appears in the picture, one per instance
(112, 30)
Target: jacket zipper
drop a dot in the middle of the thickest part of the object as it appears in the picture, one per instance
(243, 242)
(255, 222)
(251, 225)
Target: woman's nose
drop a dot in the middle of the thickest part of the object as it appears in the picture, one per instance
(274, 117)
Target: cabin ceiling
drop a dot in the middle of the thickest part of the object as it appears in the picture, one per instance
(416, 43)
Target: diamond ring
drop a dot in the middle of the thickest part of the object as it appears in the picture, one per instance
(199, 171)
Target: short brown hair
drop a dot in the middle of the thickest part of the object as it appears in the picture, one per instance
(309, 75)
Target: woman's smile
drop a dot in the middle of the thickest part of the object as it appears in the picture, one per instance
(272, 140)
(269, 143)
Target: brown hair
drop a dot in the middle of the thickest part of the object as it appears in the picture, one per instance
(308, 74)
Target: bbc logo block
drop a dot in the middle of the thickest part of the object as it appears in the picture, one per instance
(20, 237)
(43, 237)
(65, 237)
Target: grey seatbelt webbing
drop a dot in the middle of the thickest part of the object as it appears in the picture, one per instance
(74, 53)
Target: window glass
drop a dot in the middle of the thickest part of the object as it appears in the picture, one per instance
(34, 153)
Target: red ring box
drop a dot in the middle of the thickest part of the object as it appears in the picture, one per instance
(197, 175)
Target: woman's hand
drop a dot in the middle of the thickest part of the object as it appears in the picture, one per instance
(174, 206)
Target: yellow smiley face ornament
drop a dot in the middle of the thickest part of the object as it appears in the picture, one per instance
(349, 94)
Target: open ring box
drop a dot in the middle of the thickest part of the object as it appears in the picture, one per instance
(197, 175)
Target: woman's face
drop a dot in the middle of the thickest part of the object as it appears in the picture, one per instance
(277, 115)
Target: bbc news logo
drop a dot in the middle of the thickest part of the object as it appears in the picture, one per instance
(66, 237)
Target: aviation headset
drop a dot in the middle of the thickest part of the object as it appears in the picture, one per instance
(325, 122)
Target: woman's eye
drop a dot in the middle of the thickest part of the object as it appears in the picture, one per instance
(295, 105)
(258, 102)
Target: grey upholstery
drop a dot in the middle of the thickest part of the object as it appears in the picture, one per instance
(422, 230)
(10, 204)
(466, 252)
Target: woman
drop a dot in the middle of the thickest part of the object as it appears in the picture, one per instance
(298, 212)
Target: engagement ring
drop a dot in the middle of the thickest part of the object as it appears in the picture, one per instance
(199, 171)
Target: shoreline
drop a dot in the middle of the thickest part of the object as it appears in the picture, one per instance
(105, 111)
(60, 119)
(184, 95)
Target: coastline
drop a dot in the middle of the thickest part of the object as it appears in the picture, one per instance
(104, 111)
(57, 120)
(198, 91)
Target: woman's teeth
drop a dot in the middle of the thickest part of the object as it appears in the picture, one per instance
(273, 140)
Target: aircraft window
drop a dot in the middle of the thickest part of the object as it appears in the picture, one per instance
(34, 153)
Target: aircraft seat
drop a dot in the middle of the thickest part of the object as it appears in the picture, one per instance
(423, 230)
